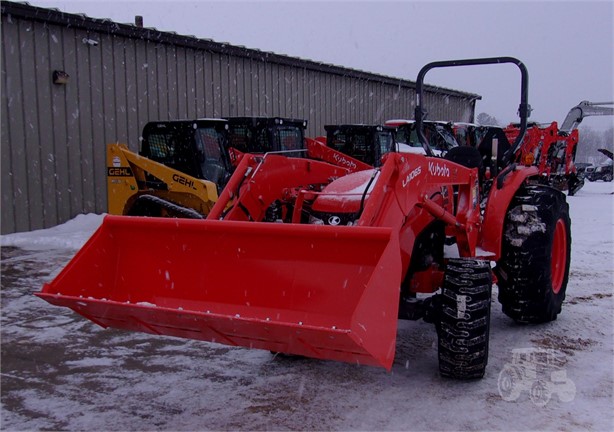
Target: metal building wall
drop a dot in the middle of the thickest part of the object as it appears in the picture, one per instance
(53, 136)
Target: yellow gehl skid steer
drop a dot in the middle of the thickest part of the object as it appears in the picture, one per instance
(133, 191)
(184, 164)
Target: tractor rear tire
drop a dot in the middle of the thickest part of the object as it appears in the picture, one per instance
(534, 267)
(464, 319)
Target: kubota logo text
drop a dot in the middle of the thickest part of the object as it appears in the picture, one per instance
(439, 170)
(411, 176)
(344, 161)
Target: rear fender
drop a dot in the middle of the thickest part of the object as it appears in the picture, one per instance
(497, 207)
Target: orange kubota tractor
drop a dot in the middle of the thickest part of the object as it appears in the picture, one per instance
(303, 257)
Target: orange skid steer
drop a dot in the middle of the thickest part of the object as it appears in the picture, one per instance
(304, 257)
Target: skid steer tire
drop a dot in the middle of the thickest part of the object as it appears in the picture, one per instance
(534, 267)
(464, 324)
(153, 206)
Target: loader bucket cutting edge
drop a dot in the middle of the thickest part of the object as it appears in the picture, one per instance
(319, 291)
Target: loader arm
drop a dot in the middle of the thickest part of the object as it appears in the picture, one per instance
(319, 151)
(425, 185)
(260, 181)
(129, 177)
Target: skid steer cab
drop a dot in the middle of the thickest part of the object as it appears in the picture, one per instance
(302, 256)
(179, 171)
(366, 143)
(267, 134)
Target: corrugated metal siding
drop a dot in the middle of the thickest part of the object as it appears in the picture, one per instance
(54, 136)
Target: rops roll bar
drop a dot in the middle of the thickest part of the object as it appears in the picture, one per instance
(524, 110)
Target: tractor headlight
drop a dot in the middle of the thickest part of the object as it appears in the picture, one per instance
(333, 219)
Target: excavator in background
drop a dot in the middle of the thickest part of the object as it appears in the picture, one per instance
(301, 256)
(585, 109)
(553, 149)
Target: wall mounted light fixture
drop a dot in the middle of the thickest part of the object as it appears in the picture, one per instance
(90, 42)
(60, 77)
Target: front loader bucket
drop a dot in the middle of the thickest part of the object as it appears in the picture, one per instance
(319, 291)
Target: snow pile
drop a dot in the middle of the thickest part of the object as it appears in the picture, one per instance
(415, 149)
(70, 235)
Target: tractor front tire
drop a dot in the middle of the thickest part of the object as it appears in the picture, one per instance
(464, 319)
(534, 267)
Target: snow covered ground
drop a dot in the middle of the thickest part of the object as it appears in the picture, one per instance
(61, 372)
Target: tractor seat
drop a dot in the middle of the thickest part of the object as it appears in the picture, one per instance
(465, 156)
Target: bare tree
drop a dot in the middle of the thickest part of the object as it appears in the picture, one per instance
(590, 141)
(608, 138)
(487, 120)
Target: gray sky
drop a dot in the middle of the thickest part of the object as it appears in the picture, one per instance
(568, 47)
